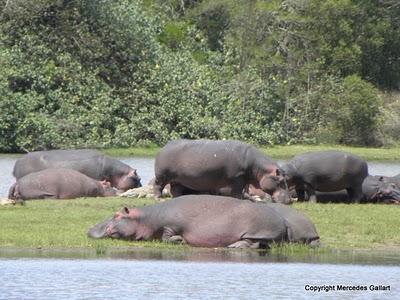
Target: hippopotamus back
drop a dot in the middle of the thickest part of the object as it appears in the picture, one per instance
(57, 184)
(92, 163)
(216, 167)
(88, 162)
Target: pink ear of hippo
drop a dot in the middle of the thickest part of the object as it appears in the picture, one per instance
(132, 173)
(126, 212)
(105, 183)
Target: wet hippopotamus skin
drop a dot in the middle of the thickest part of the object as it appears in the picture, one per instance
(58, 184)
(209, 221)
(89, 162)
(326, 171)
(218, 168)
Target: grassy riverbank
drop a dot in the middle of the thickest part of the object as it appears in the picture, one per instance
(281, 152)
(63, 224)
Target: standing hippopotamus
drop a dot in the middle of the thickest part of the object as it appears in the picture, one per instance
(89, 162)
(58, 184)
(380, 189)
(207, 221)
(217, 167)
(326, 171)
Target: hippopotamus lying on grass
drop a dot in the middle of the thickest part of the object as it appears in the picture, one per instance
(210, 221)
(89, 162)
(218, 168)
(326, 171)
(381, 189)
(58, 184)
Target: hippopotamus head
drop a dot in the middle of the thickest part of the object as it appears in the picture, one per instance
(123, 225)
(274, 183)
(129, 181)
(387, 193)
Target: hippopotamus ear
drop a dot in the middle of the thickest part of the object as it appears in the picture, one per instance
(126, 210)
(132, 173)
(105, 183)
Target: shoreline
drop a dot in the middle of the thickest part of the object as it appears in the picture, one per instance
(216, 255)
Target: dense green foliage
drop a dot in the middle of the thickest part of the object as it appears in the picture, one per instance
(86, 73)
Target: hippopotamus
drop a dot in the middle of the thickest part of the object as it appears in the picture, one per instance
(218, 168)
(89, 162)
(209, 221)
(326, 171)
(300, 229)
(380, 189)
(392, 179)
(58, 184)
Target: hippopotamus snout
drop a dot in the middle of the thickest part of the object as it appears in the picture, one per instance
(99, 230)
(130, 181)
(390, 193)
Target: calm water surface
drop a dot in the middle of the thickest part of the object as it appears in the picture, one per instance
(132, 279)
(145, 168)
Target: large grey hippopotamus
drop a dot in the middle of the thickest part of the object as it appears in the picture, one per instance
(58, 184)
(326, 171)
(217, 167)
(210, 221)
(89, 162)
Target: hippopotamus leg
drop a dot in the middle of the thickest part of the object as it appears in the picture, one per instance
(309, 193)
(246, 243)
(169, 235)
(355, 194)
(235, 189)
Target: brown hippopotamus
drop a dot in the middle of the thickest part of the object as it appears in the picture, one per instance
(58, 184)
(326, 171)
(218, 168)
(210, 221)
(89, 162)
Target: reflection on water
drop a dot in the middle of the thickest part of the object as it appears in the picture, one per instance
(135, 279)
(314, 256)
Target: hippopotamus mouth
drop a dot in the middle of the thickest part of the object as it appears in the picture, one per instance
(99, 231)
(392, 196)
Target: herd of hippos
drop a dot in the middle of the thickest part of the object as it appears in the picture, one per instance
(207, 180)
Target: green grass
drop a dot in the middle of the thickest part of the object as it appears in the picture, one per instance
(64, 223)
(281, 152)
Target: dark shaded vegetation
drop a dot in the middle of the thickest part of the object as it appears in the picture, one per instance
(78, 73)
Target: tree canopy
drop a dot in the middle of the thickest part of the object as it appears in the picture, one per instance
(101, 73)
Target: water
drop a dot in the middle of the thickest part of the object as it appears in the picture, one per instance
(135, 279)
(145, 169)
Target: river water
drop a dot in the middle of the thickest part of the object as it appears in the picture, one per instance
(149, 279)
